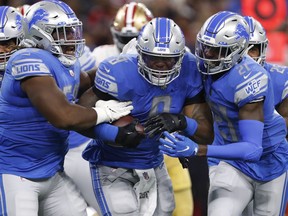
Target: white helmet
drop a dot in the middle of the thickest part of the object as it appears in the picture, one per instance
(10, 29)
(129, 20)
(53, 26)
(257, 38)
(162, 39)
(221, 42)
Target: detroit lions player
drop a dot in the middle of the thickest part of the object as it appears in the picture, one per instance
(134, 180)
(249, 134)
(128, 21)
(279, 74)
(11, 35)
(35, 108)
(75, 166)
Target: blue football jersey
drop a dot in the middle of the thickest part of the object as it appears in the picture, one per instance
(119, 77)
(248, 82)
(30, 146)
(87, 63)
(279, 77)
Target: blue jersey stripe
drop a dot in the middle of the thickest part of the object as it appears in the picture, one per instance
(98, 191)
(3, 210)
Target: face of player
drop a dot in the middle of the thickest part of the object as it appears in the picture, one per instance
(6, 47)
(66, 37)
(254, 52)
(160, 63)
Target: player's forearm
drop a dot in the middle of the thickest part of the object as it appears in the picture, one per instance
(70, 119)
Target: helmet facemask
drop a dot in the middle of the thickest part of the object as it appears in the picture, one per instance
(217, 59)
(68, 43)
(159, 77)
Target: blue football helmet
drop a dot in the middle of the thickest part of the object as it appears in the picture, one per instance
(11, 33)
(160, 39)
(221, 42)
(53, 26)
(257, 38)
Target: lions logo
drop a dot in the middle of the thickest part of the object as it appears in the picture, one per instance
(18, 22)
(241, 32)
(39, 15)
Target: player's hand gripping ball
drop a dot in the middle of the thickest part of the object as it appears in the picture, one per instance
(130, 133)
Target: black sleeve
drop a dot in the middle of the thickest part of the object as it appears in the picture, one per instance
(102, 95)
(199, 98)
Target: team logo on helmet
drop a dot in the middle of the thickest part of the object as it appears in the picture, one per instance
(39, 15)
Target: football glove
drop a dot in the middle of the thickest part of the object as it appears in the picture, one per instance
(165, 122)
(128, 136)
(176, 145)
(109, 111)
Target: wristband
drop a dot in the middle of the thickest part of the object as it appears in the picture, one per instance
(192, 126)
(105, 132)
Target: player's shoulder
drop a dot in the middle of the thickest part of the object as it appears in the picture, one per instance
(189, 70)
(121, 65)
(117, 75)
(31, 54)
(31, 62)
(246, 71)
(276, 69)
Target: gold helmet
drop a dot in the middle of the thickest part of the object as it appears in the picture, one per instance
(130, 18)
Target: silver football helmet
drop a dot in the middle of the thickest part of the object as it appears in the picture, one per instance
(161, 42)
(257, 38)
(53, 26)
(129, 20)
(221, 42)
(11, 33)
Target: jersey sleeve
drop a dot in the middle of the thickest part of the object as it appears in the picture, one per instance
(251, 90)
(195, 90)
(87, 60)
(35, 65)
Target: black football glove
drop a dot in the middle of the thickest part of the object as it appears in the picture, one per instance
(128, 136)
(165, 122)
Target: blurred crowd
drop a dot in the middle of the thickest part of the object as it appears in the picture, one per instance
(97, 15)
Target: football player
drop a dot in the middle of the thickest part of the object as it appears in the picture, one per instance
(36, 114)
(248, 157)
(129, 20)
(160, 79)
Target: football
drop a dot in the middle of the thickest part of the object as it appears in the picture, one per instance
(125, 120)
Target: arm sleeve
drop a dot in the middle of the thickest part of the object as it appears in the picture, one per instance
(105, 132)
(250, 149)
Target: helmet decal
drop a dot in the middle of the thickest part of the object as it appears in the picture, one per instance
(39, 15)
